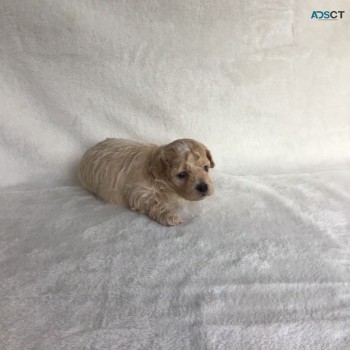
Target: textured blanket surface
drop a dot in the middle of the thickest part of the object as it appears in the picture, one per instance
(263, 264)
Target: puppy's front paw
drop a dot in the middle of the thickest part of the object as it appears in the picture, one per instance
(169, 219)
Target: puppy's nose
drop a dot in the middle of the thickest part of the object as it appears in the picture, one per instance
(202, 187)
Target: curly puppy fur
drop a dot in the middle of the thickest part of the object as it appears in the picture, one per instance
(147, 177)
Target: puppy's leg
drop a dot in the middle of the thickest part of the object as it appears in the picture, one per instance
(164, 216)
(150, 203)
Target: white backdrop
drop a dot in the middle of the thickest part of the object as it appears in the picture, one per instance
(262, 84)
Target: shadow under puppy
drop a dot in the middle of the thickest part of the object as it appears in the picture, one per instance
(147, 177)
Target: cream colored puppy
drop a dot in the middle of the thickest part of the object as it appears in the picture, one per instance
(147, 177)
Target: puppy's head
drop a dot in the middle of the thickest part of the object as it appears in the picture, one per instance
(183, 165)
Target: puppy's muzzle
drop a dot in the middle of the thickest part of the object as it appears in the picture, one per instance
(202, 188)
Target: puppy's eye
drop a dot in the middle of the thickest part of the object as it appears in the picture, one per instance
(206, 168)
(182, 175)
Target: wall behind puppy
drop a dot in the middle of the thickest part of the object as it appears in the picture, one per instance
(266, 87)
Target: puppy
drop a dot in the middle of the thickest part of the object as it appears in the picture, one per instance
(147, 177)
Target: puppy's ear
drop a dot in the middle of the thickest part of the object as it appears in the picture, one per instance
(158, 164)
(209, 156)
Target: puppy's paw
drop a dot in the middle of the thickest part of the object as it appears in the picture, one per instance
(169, 219)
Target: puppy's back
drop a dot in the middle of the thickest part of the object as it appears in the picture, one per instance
(105, 166)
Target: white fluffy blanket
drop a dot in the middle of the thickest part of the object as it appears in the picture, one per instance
(263, 264)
